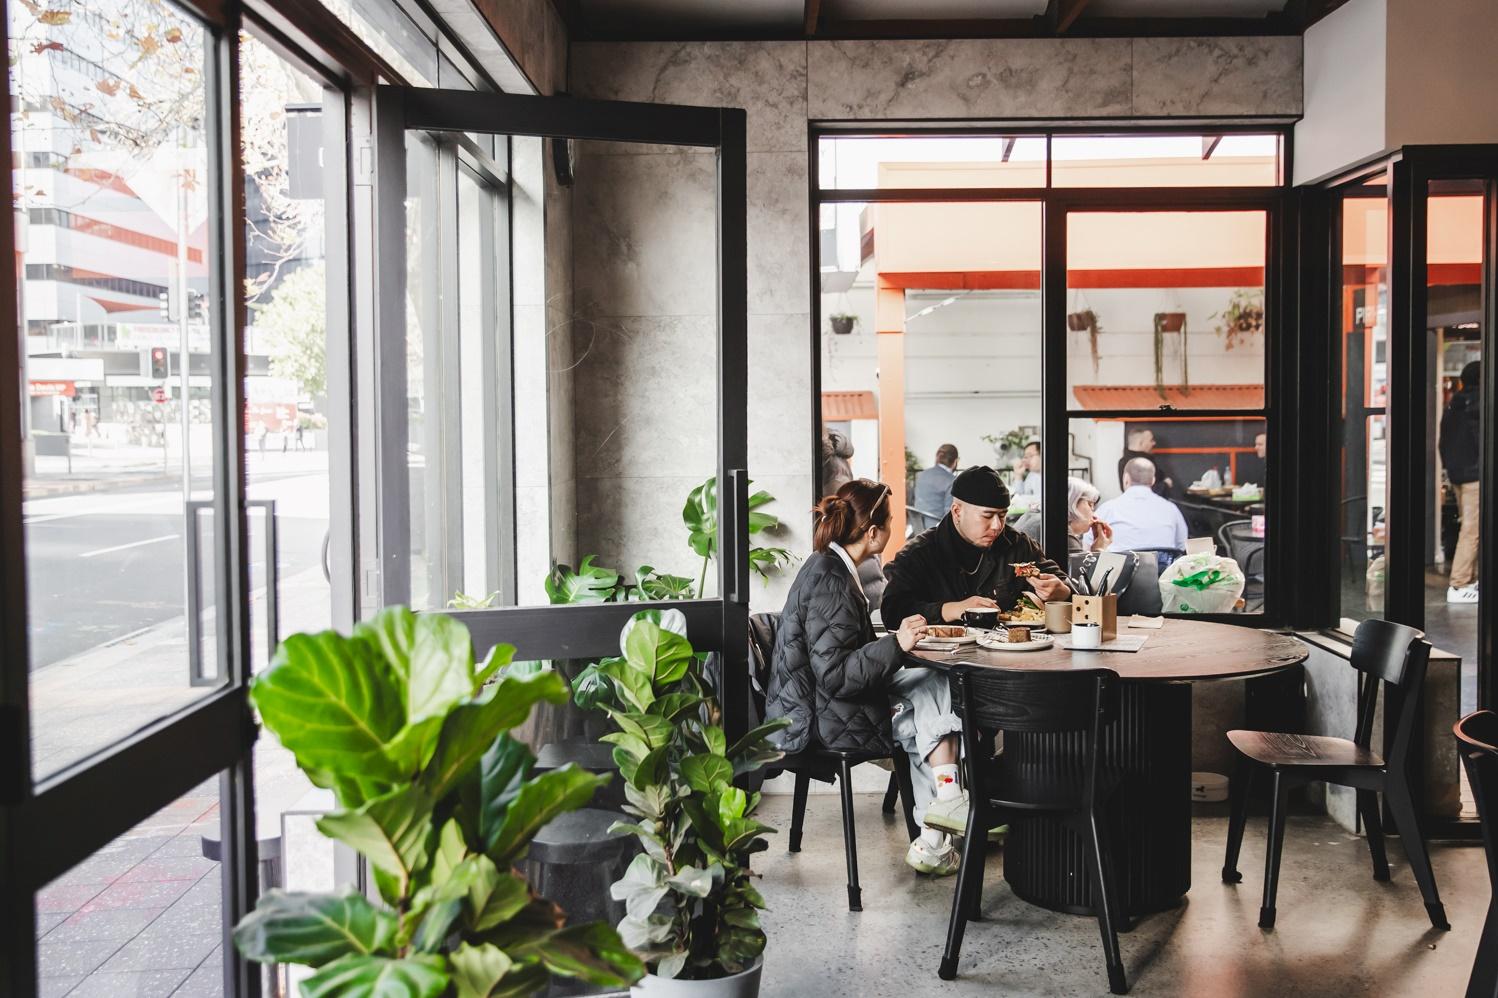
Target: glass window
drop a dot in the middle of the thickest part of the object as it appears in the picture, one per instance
(143, 915)
(868, 162)
(931, 349)
(1165, 309)
(111, 175)
(388, 29)
(1155, 482)
(1362, 316)
(1165, 160)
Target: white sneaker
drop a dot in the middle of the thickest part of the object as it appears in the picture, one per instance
(1466, 594)
(939, 861)
(949, 815)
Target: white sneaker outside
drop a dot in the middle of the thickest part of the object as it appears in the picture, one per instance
(1466, 594)
(939, 861)
(949, 815)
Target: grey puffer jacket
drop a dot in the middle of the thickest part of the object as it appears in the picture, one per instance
(829, 673)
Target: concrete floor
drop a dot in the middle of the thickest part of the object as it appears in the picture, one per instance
(1339, 933)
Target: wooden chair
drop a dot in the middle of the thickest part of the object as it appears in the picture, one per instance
(1384, 652)
(826, 766)
(1477, 744)
(1084, 700)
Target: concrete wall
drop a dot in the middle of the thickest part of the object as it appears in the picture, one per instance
(783, 85)
(1345, 69)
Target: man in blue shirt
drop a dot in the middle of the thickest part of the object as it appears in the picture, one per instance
(1027, 472)
(1139, 517)
(933, 486)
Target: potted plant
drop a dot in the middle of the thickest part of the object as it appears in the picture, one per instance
(700, 514)
(412, 736)
(692, 910)
(842, 322)
(1243, 316)
(1169, 322)
(1086, 321)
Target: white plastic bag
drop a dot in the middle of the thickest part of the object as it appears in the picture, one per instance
(1201, 583)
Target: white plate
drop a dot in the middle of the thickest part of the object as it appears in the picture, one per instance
(938, 644)
(996, 643)
(1033, 627)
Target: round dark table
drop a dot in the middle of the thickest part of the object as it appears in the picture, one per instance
(1149, 745)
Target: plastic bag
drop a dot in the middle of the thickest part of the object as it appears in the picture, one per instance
(1201, 583)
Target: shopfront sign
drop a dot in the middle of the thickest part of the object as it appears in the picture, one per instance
(53, 389)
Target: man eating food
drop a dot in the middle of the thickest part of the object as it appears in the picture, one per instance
(972, 559)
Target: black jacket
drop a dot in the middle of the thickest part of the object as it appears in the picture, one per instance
(933, 568)
(1460, 432)
(829, 673)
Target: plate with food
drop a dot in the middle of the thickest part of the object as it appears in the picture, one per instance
(946, 636)
(1016, 639)
(1026, 613)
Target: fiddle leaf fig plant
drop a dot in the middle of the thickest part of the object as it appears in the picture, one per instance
(412, 736)
(692, 910)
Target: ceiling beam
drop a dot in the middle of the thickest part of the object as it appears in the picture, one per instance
(813, 15)
(1019, 27)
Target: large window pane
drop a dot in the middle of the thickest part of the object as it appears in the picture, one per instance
(111, 183)
(1362, 317)
(930, 341)
(1165, 160)
(142, 916)
(1192, 460)
(868, 162)
(1165, 308)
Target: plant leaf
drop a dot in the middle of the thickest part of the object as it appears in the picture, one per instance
(522, 981)
(716, 740)
(469, 730)
(494, 896)
(633, 685)
(313, 929)
(591, 952)
(589, 584)
(537, 802)
(692, 880)
(673, 705)
(657, 653)
(503, 769)
(391, 831)
(378, 977)
(499, 657)
(706, 773)
(477, 970)
(336, 704)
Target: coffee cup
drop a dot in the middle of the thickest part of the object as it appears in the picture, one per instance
(985, 617)
(1086, 634)
(1058, 616)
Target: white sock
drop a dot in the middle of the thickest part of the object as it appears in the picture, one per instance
(934, 837)
(946, 781)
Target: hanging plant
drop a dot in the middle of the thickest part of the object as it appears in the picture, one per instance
(842, 323)
(1086, 320)
(1169, 322)
(1243, 317)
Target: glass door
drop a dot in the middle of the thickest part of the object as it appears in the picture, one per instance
(539, 435)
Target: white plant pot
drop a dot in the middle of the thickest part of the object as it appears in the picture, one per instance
(744, 984)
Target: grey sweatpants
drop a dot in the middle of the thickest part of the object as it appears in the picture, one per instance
(920, 703)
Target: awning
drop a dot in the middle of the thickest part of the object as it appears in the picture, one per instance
(839, 407)
(1098, 398)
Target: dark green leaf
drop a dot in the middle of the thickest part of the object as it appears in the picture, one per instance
(313, 929)
(589, 584)
(522, 982)
(591, 953)
(477, 970)
(471, 728)
(591, 689)
(673, 705)
(538, 917)
(706, 773)
(494, 896)
(756, 735)
(743, 918)
(503, 770)
(335, 703)
(632, 684)
(392, 832)
(652, 768)
(537, 802)
(378, 977)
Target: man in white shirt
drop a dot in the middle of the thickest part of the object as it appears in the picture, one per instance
(1139, 517)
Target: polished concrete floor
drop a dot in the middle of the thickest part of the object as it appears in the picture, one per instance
(1339, 932)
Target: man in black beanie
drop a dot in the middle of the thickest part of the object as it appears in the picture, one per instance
(967, 560)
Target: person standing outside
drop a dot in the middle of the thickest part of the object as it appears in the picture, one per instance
(933, 486)
(1461, 454)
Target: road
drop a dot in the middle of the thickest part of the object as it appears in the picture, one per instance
(103, 565)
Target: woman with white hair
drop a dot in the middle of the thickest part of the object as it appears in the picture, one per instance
(1081, 519)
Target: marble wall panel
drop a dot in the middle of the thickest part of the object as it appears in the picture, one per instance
(636, 520)
(1217, 76)
(644, 234)
(646, 398)
(779, 393)
(767, 79)
(793, 502)
(969, 78)
(779, 250)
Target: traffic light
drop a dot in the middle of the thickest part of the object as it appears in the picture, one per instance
(159, 370)
(197, 306)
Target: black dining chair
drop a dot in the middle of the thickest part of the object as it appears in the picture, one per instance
(826, 765)
(1237, 539)
(1384, 652)
(992, 699)
(1477, 744)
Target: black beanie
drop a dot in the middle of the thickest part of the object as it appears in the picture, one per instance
(981, 486)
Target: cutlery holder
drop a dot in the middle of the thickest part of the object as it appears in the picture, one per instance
(1100, 610)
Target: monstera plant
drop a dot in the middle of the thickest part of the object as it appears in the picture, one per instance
(412, 736)
(700, 514)
(692, 910)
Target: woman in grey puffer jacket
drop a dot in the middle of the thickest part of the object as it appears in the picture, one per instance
(837, 681)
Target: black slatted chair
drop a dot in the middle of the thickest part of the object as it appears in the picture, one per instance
(1477, 744)
(1384, 652)
(826, 766)
(1084, 700)
(1237, 538)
